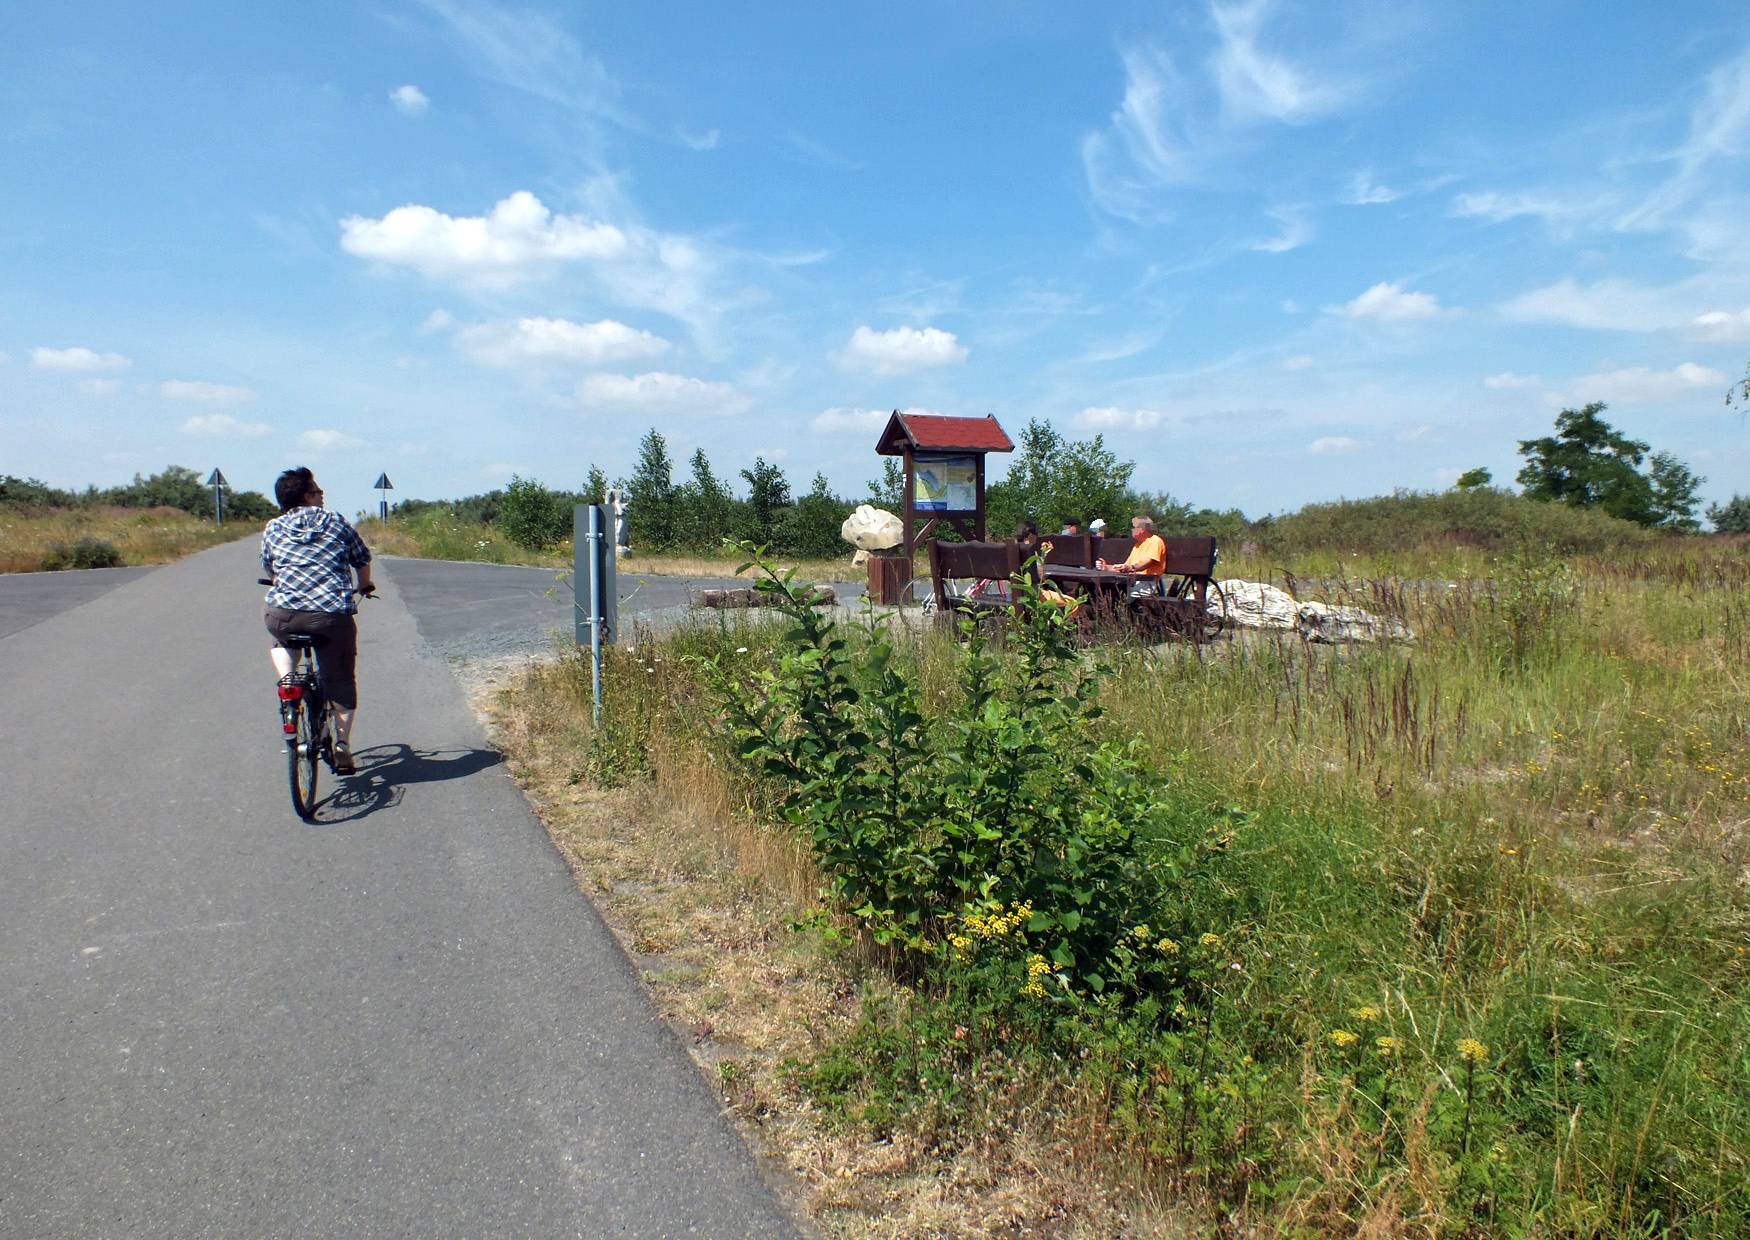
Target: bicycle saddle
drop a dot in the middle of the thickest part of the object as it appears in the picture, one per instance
(302, 641)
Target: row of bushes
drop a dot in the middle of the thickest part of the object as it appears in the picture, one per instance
(175, 486)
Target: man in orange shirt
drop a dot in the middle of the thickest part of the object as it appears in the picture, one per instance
(1148, 558)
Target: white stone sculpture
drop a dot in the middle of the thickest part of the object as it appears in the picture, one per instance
(1255, 605)
(871, 529)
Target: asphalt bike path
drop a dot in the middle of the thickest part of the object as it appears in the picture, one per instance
(219, 1021)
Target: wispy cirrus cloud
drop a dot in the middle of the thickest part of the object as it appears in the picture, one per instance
(1335, 445)
(1180, 120)
(321, 441)
(533, 52)
(1603, 305)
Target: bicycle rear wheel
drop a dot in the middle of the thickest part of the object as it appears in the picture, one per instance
(303, 752)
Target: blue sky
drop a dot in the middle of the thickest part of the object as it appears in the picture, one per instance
(1274, 252)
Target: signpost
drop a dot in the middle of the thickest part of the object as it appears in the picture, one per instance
(384, 486)
(595, 612)
(216, 480)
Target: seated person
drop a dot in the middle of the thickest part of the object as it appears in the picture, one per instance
(1148, 558)
(1071, 525)
(1027, 537)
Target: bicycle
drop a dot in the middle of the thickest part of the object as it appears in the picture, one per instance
(306, 718)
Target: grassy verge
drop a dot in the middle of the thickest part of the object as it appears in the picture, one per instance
(435, 535)
(99, 537)
(1468, 956)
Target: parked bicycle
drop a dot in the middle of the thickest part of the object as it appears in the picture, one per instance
(306, 718)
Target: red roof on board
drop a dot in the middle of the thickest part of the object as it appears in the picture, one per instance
(930, 432)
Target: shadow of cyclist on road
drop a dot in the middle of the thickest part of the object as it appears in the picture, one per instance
(386, 771)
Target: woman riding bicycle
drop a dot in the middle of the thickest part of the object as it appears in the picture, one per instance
(310, 554)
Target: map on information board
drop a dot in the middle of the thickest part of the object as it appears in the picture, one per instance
(946, 484)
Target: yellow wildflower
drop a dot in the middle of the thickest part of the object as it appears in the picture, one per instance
(1344, 1039)
(1365, 1014)
(1387, 1046)
(1472, 1051)
(1141, 932)
(1037, 967)
(1210, 939)
(1167, 947)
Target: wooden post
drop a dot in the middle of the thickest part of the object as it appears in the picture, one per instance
(978, 521)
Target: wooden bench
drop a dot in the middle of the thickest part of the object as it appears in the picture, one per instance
(971, 562)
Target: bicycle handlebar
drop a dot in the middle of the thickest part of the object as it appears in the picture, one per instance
(371, 593)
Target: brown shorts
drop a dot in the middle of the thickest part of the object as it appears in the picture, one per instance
(337, 648)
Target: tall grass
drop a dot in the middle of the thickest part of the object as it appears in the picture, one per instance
(34, 539)
(1512, 849)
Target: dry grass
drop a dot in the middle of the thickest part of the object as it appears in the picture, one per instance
(703, 901)
(140, 535)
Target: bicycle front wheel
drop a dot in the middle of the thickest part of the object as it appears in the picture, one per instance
(303, 751)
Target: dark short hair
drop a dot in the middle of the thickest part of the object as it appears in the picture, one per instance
(1072, 520)
(1026, 530)
(291, 487)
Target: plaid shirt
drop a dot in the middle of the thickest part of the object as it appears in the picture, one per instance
(309, 553)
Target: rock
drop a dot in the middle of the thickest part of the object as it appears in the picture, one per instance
(871, 529)
(860, 559)
(1254, 605)
(1320, 622)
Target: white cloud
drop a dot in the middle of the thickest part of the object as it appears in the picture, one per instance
(519, 342)
(224, 426)
(850, 421)
(437, 321)
(1301, 361)
(323, 440)
(1334, 445)
(1507, 381)
(1255, 83)
(1554, 210)
(1112, 418)
(1606, 305)
(409, 100)
(1294, 230)
(900, 350)
(1389, 303)
(706, 141)
(518, 239)
(1638, 384)
(77, 358)
(1724, 325)
(206, 393)
(100, 387)
(660, 392)
(1364, 191)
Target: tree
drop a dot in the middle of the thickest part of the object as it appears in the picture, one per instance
(654, 515)
(1674, 487)
(1589, 464)
(768, 495)
(1732, 517)
(815, 524)
(1052, 478)
(888, 491)
(532, 516)
(1471, 479)
(707, 514)
(1740, 390)
(595, 485)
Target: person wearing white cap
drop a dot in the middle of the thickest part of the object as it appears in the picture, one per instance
(1097, 525)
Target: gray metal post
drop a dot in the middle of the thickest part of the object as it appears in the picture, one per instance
(218, 508)
(595, 607)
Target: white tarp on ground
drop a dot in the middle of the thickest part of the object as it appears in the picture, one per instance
(1255, 605)
(871, 529)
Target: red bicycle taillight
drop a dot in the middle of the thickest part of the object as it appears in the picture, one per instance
(290, 726)
(291, 693)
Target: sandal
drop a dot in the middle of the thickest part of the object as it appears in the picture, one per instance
(343, 763)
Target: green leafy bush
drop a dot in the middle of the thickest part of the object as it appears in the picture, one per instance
(531, 516)
(85, 553)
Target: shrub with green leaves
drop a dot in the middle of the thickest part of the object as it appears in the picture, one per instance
(531, 516)
(85, 553)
